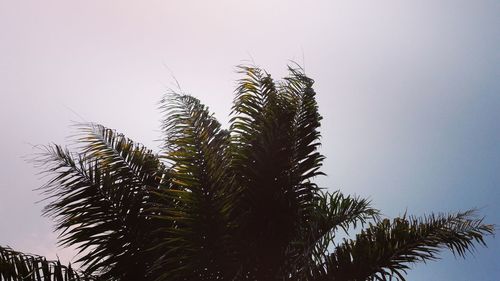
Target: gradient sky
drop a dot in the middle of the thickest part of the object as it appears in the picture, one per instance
(409, 92)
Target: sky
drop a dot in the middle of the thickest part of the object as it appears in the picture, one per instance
(409, 92)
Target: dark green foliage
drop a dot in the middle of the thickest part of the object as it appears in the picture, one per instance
(386, 249)
(99, 199)
(18, 266)
(216, 204)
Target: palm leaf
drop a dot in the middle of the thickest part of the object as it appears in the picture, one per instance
(333, 211)
(194, 226)
(274, 140)
(385, 250)
(17, 266)
(99, 197)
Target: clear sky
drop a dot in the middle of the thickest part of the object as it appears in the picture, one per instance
(409, 91)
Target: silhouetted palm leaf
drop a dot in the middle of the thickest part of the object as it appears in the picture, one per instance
(195, 228)
(16, 266)
(386, 249)
(99, 197)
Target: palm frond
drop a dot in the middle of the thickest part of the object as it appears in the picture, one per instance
(98, 198)
(333, 211)
(299, 92)
(195, 144)
(252, 95)
(274, 141)
(129, 160)
(17, 266)
(385, 250)
(196, 224)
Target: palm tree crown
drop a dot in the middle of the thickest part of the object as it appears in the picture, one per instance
(217, 204)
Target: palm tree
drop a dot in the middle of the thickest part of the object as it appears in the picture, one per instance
(216, 204)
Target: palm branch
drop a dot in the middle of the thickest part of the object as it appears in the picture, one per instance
(98, 198)
(17, 266)
(387, 249)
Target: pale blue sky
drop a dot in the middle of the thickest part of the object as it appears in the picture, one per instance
(409, 91)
